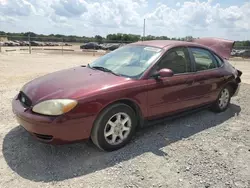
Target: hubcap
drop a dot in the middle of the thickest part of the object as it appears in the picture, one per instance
(117, 128)
(224, 98)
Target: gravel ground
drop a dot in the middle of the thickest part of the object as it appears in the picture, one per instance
(199, 150)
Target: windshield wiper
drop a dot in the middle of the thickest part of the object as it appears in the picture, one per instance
(103, 69)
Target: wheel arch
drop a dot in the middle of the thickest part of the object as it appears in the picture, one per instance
(136, 109)
(132, 104)
(95, 132)
(233, 86)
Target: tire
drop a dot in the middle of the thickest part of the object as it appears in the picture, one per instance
(220, 106)
(115, 129)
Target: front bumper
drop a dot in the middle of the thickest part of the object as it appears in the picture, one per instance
(54, 130)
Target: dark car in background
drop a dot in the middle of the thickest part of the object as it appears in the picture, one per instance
(90, 45)
(105, 46)
(126, 89)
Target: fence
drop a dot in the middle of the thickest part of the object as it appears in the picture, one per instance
(61, 45)
(242, 47)
(71, 44)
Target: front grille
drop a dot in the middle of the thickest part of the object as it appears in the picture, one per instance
(43, 137)
(24, 99)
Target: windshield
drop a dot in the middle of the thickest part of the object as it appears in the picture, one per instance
(128, 61)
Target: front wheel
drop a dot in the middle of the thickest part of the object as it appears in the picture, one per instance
(223, 100)
(114, 127)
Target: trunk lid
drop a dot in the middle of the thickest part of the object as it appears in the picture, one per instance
(220, 46)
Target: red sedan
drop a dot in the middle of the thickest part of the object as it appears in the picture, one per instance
(128, 88)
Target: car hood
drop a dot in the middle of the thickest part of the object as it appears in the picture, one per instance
(222, 47)
(71, 83)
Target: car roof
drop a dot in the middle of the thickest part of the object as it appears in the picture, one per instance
(166, 43)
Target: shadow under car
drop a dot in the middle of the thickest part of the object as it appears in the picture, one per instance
(42, 162)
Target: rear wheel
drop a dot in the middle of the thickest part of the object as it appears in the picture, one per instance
(223, 100)
(114, 127)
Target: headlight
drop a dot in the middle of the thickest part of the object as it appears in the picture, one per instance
(54, 107)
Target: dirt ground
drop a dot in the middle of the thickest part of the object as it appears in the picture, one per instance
(200, 150)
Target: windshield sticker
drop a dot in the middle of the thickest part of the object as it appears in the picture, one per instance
(152, 49)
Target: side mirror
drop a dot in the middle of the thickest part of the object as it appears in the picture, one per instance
(163, 73)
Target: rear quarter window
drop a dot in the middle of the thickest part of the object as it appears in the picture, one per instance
(219, 60)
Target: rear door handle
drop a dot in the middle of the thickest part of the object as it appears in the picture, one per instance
(202, 79)
(189, 81)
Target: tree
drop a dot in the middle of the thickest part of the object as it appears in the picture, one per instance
(188, 38)
(149, 37)
(98, 38)
(118, 37)
(246, 43)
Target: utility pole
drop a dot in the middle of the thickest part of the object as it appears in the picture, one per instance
(29, 44)
(62, 45)
(143, 30)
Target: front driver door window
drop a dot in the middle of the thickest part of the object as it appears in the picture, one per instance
(177, 60)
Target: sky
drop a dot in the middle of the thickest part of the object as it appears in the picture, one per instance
(229, 19)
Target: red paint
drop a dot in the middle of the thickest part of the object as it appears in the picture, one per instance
(94, 90)
(165, 73)
(221, 46)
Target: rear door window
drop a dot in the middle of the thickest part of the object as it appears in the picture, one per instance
(204, 60)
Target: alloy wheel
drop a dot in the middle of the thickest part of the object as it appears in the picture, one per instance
(117, 128)
(224, 98)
